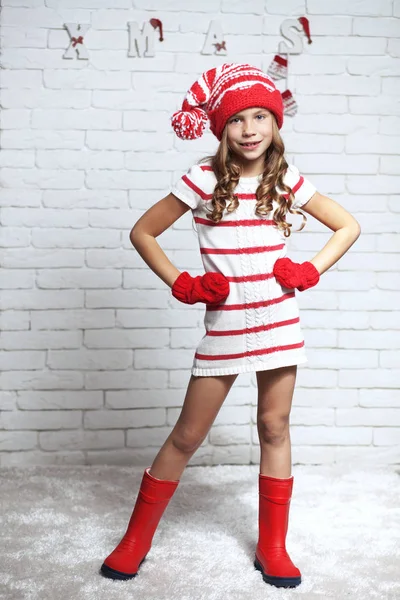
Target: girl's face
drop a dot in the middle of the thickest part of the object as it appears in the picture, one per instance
(249, 134)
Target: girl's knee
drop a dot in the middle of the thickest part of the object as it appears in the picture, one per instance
(187, 440)
(273, 430)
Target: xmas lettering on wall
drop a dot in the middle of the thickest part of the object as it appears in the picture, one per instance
(141, 45)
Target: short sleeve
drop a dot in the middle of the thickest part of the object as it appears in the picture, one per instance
(302, 188)
(189, 187)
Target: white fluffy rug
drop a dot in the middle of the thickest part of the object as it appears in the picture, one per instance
(58, 523)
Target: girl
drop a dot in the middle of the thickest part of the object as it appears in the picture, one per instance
(239, 199)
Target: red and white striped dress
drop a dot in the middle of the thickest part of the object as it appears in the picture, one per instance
(257, 327)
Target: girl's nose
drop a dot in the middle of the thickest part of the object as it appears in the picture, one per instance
(248, 128)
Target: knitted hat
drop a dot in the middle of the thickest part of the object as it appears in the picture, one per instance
(222, 92)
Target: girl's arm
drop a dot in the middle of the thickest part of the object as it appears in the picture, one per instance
(346, 228)
(152, 224)
(151, 252)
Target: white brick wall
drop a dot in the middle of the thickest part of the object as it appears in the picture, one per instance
(95, 353)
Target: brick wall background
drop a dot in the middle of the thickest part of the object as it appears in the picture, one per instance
(95, 353)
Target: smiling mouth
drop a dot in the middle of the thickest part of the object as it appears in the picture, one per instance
(250, 144)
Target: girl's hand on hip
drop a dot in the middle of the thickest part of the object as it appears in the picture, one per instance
(210, 288)
(295, 275)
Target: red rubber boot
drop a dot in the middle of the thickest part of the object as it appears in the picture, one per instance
(152, 500)
(271, 557)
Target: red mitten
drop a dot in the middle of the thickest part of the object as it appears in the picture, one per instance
(295, 275)
(209, 288)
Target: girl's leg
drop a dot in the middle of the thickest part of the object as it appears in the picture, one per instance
(203, 400)
(204, 397)
(275, 393)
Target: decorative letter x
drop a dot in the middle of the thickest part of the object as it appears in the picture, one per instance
(76, 33)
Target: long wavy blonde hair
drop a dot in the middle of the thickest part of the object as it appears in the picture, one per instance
(228, 171)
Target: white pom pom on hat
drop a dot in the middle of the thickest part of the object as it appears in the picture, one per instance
(190, 122)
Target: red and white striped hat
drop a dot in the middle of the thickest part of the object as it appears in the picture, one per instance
(222, 92)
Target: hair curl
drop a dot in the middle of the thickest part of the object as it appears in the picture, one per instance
(228, 172)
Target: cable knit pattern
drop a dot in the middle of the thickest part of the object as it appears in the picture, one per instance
(257, 326)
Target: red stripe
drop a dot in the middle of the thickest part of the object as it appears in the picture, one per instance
(296, 187)
(234, 76)
(215, 333)
(261, 303)
(250, 250)
(205, 196)
(248, 353)
(240, 223)
(280, 60)
(198, 93)
(243, 278)
(196, 189)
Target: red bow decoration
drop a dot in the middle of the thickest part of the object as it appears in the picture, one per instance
(76, 41)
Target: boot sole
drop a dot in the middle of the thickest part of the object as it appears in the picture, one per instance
(113, 574)
(277, 581)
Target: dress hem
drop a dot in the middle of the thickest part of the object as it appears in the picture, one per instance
(198, 372)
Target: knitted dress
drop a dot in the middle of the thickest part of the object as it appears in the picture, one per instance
(257, 326)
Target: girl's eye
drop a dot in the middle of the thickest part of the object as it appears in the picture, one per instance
(237, 118)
